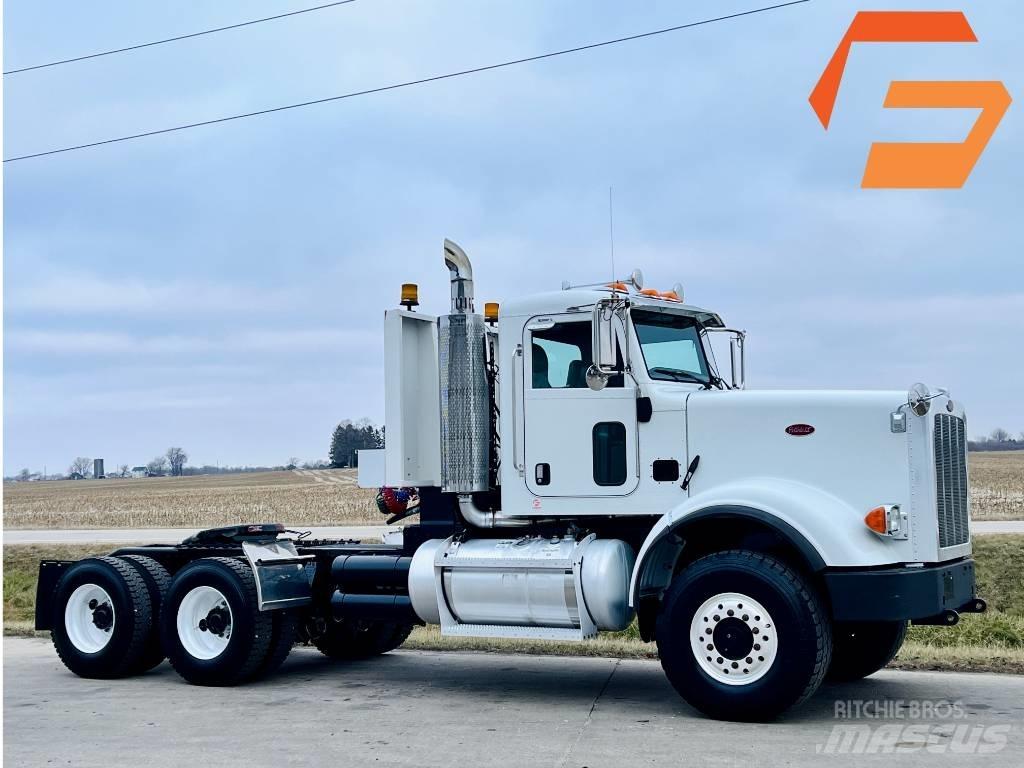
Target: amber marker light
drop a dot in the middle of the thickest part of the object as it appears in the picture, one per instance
(491, 312)
(876, 521)
(888, 520)
(410, 295)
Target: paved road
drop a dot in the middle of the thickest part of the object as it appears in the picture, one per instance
(982, 527)
(167, 535)
(464, 709)
(363, 533)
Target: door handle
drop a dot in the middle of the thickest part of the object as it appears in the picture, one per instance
(517, 378)
(542, 474)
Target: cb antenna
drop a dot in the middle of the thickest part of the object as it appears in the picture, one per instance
(611, 232)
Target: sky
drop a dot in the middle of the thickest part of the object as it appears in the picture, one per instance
(223, 288)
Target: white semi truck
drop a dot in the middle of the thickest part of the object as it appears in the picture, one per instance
(575, 462)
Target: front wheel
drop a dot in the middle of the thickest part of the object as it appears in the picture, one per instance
(862, 648)
(742, 636)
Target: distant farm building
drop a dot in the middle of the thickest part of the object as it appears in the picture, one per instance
(139, 472)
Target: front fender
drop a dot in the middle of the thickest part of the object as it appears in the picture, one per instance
(826, 530)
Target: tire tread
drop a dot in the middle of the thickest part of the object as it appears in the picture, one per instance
(158, 581)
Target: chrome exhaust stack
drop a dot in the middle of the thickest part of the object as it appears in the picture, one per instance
(465, 396)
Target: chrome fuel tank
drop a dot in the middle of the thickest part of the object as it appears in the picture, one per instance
(558, 583)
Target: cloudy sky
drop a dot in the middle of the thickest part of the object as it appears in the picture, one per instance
(223, 288)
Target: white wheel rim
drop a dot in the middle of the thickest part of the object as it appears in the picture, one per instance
(89, 618)
(733, 638)
(204, 623)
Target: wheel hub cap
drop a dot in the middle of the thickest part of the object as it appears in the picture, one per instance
(217, 621)
(103, 617)
(733, 638)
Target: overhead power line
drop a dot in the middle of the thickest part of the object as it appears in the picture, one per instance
(176, 39)
(409, 83)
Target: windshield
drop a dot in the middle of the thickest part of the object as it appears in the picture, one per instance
(671, 346)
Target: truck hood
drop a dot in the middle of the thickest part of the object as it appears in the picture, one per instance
(843, 444)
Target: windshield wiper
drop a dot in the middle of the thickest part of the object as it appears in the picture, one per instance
(676, 375)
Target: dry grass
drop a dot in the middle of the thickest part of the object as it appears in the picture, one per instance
(313, 497)
(997, 485)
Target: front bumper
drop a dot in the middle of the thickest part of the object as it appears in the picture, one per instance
(924, 594)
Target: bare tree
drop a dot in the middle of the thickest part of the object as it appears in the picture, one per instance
(80, 466)
(293, 462)
(1000, 435)
(24, 475)
(157, 466)
(123, 470)
(176, 457)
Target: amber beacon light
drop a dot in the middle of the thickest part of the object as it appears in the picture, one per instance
(410, 295)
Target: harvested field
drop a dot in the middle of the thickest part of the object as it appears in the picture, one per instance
(997, 485)
(302, 497)
(324, 497)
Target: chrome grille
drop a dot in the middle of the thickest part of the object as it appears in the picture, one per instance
(951, 480)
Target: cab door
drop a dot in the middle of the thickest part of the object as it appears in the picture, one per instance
(577, 442)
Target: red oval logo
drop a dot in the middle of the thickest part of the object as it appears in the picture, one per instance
(799, 430)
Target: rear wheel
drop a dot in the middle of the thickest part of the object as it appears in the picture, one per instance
(862, 648)
(358, 639)
(102, 617)
(158, 581)
(282, 638)
(211, 626)
(742, 636)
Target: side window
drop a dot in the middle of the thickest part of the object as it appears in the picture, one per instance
(561, 356)
(609, 439)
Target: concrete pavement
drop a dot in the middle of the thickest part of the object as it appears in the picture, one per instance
(360, 532)
(468, 709)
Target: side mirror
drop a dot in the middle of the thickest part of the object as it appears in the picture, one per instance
(605, 344)
(737, 355)
(738, 359)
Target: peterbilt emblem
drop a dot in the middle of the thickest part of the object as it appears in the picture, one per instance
(799, 430)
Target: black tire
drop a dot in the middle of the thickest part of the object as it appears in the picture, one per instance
(860, 649)
(158, 581)
(802, 645)
(249, 631)
(128, 618)
(361, 639)
(282, 638)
